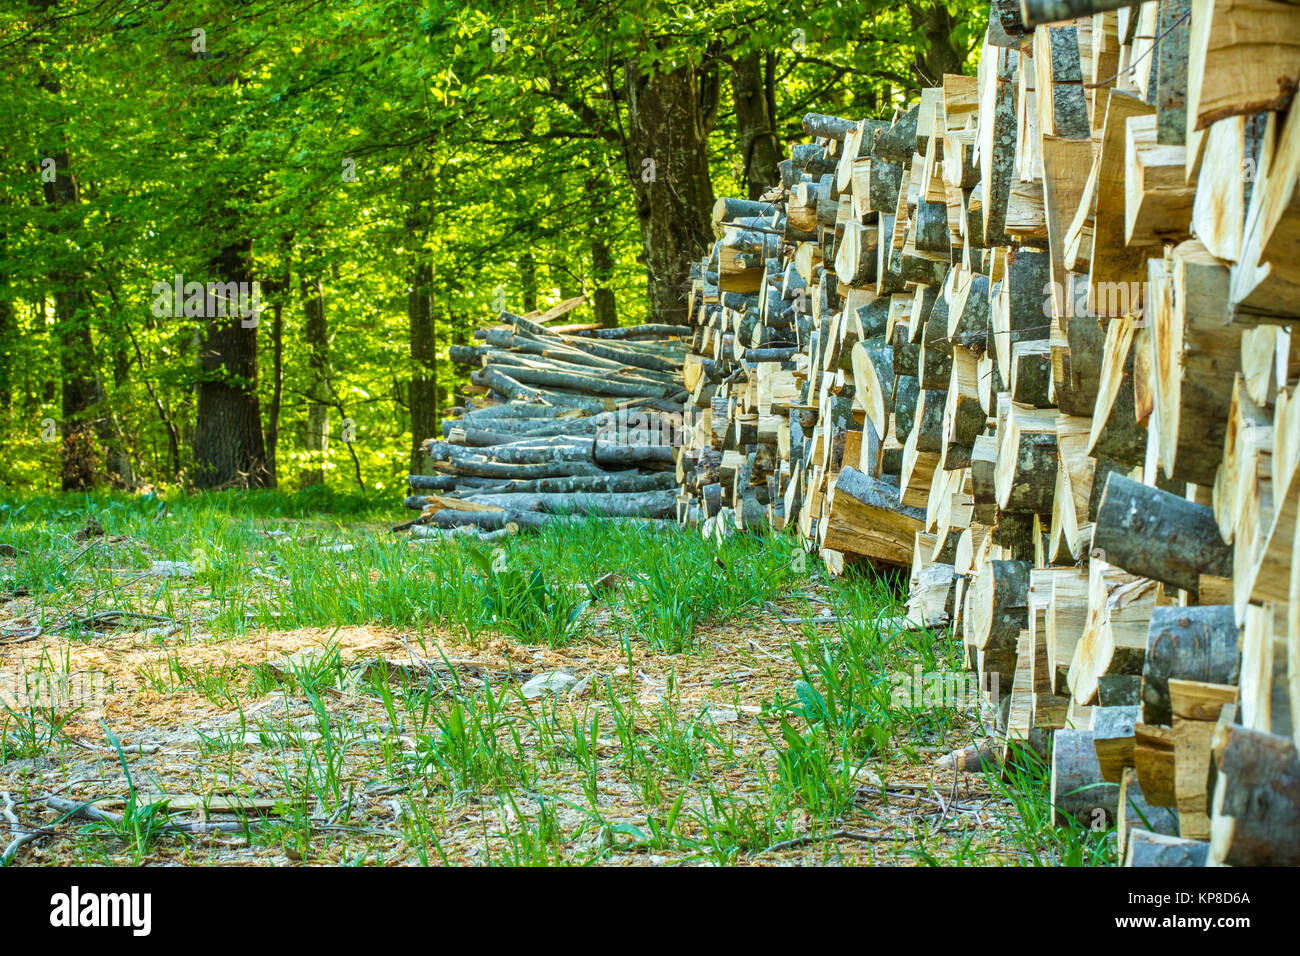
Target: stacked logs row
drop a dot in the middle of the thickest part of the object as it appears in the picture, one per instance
(741, 370)
(563, 421)
(1031, 340)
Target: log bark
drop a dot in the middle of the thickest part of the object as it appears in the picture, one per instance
(928, 419)
(907, 392)
(828, 127)
(1197, 351)
(1135, 814)
(646, 504)
(1158, 849)
(1025, 477)
(898, 142)
(1034, 12)
(644, 331)
(997, 126)
(868, 518)
(873, 380)
(1187, 643)
(1158, 535)
(1256, 805)
(998, 612)
(1078, 791)
(496, 520)
(1112, 739)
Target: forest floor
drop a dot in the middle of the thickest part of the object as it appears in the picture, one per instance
(250, 680)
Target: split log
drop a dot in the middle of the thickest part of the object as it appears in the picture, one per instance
(1158, 535)
(1067, 614)
(968, 311)
(1020, 312)
(1197, 350)
(1244, 58)
(1025, 476)
(997, 127)
(1266, 278)
(1164, 850)
(1192, 743)
(1230, 151)
(856, 257)
(1256, 805)
(1136, 815)
(1187, 643)
(868, 518)
(1115, 640)
(1116, 431)
(1153, 757)
(928, 419)
(1031, 374)
(1157, 200)
(964, 418)
(907, 393)
(916, 473)
(1078, 791)
(1112, 261)
(998, 612)
(873, 381)
(1112, 739)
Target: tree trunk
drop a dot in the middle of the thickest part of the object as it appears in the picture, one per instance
(602, 257)
(760, 146)
(316, 338)
(82, 389)
(228, 445)
(528, 280)
(668, 164)
(565, 276)
(941, 55)
(117, 450)
(280, 289)
(424, 360)
(7, 330)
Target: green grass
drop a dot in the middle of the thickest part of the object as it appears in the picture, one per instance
(535, 587)
(539, 775)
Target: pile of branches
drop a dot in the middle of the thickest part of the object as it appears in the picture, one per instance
(566, 421)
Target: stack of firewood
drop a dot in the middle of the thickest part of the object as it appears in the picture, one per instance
(1030, 340)
(740, 372)
(563, 421)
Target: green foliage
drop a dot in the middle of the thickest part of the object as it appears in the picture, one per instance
(523, 603)
(351, 142)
